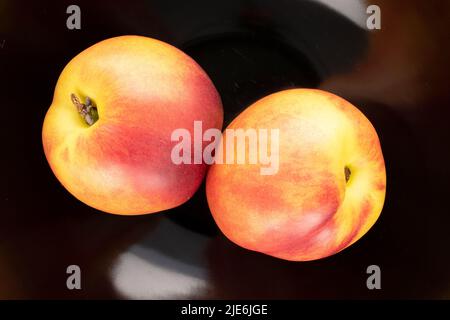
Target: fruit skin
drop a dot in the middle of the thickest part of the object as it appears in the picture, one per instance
(307, 210)
(143, 89)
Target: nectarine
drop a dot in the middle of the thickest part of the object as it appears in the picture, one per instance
(329, 189)
(107, 133)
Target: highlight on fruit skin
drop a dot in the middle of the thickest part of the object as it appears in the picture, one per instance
(107, 133)
(330, 187)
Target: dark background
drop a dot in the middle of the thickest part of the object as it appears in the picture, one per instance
(398, 76)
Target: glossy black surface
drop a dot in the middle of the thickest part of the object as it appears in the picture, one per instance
(397, 76)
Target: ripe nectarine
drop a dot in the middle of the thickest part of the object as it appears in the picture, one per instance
(329, 189)
(107, 133)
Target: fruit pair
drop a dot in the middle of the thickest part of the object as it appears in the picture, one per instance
(107, 136)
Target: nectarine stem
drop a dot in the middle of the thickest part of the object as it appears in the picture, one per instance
(347, 173)
(87, 110)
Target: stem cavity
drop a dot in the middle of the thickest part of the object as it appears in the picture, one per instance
(347, 173)
(88, 111)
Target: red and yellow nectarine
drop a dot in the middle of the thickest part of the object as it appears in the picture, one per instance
(329, 189)
(107, 133)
